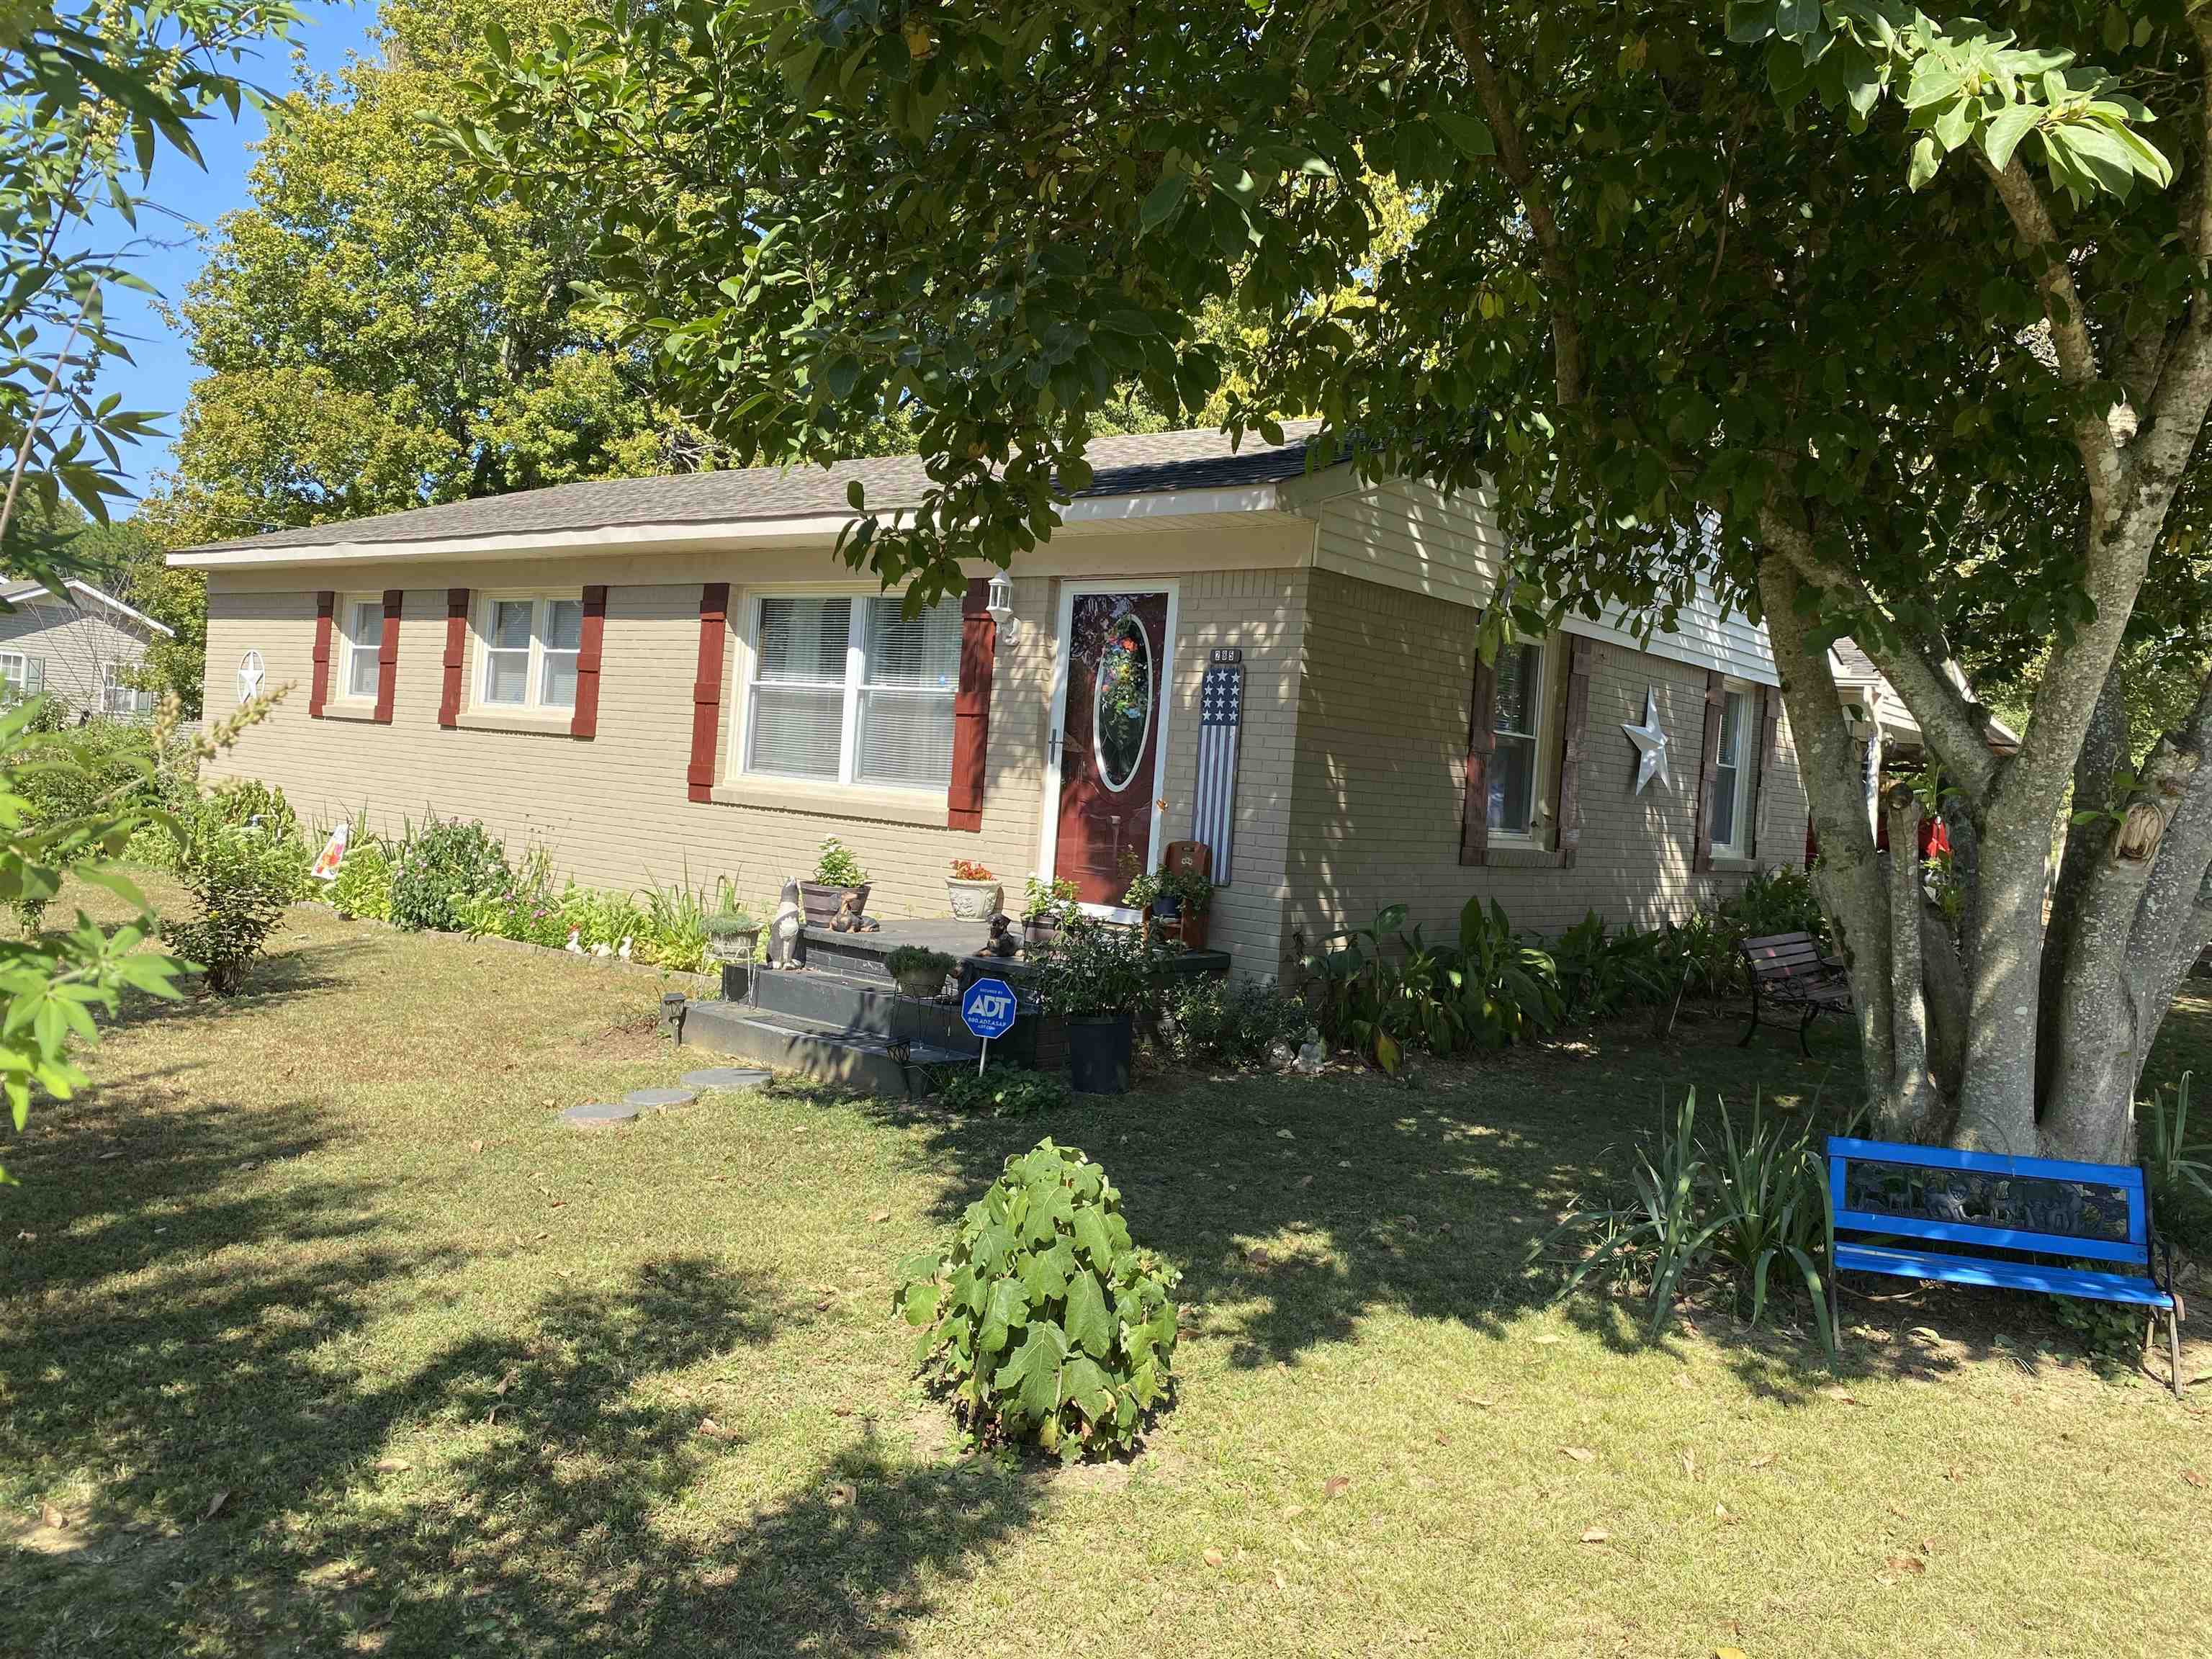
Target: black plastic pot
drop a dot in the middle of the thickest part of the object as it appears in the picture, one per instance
(1098, 1047)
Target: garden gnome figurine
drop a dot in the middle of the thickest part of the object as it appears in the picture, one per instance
(783, 932)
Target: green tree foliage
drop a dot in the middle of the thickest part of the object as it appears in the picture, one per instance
(1873, 322)
(90, 96)
(377, 335)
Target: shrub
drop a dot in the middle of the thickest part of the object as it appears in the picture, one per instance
(1094, 967)
(1003, 1091)
(920, 961)
(442, 860)
(1044, 1319)
(837, 867)
(1041, 901)
(362, 886)
(1603, 973)
(250, 801)
(1749, 1206)
(1385, 987)
(1238, 1024)
(729, 924)
(1777, 901)
(244, 877)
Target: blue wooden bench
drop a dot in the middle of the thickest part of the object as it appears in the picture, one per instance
(1914, 1198)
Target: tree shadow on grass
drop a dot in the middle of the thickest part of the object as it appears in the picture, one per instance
(1297, 1208)
(528, 1490)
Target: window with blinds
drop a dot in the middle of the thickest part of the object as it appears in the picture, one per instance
(364, 634)
(529, 646)
(849, 688)
(1729, 775)
(1514, 753)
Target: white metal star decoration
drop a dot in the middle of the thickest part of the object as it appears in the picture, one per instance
(250, 676)
(1650, 743)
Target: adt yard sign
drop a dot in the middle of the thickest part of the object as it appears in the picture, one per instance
(987, 1008)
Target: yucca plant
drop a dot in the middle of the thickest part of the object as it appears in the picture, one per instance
(2170, 1162)
(1660, 1230)
(1770, 1208)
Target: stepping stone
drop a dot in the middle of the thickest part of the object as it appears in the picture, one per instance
(598, 1114)
(726, 1076)
(637, 1097)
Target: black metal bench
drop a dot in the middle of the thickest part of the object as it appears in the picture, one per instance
(1892, 1204)
(1787, 970)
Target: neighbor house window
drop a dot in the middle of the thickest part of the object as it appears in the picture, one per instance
(117, 695)
(362, 629)
(849, 688)
(17, 681)
(1731, 772)
(530, 646)
(1519, 705)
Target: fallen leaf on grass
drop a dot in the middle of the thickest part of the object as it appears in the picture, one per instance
(1580, 1454)
(714, 1431)
(1723, 1514)
(842, 1495)
(1762, 1460)
(1292, 1511)
(1729, 1653)
(881, 1215)
(1689, 1465)
(1281, 1583)
(1473, 1400)
(215, 1504)
(1596, 1535)
(475, 1145)
(1911, 1564)
(2192, 1477)
(1842, 1396)
(1545, 1341)
(1212, 1557)
(1335, 1485)
(49, 1516)
(392, 1465)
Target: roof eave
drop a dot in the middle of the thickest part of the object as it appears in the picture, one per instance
(706, 535)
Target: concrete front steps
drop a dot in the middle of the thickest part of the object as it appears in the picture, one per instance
(839, 1018)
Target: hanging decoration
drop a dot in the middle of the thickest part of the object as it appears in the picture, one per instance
(1651, 741)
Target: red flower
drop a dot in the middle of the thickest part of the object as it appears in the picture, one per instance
(1935, 839)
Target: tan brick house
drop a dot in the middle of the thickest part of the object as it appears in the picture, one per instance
(673, 679)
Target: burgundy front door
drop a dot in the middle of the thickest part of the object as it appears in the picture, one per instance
(1109, 741)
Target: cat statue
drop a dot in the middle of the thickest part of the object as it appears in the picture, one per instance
(783, 932)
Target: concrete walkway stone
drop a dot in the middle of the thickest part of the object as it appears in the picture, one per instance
(598, 1114)
(726, 1076)
(637, 1097)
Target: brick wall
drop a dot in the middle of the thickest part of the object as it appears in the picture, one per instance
(613, 811)
(1383, 703)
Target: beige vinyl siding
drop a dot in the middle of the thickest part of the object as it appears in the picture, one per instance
(1383, 709)
(1703, 635)
(614, 811)
(73, 640)
(1414, 537)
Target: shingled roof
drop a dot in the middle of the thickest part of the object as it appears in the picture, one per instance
(1140, 463)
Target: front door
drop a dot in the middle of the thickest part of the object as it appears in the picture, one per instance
(1109, 741)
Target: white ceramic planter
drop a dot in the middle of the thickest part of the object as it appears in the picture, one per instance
(973, 901)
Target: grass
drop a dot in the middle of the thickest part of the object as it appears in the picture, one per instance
(320, 1336)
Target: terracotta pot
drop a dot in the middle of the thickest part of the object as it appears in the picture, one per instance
(822, 903)
(973, 901)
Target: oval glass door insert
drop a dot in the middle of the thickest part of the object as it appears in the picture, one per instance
(1122, 711)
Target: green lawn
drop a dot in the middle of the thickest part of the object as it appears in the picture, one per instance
(320, 1336)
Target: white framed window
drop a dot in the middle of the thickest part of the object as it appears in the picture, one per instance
(361, 630)
(117, 695)
(528, 645)
(1732, 773)
(847, 688)
(1517, 725)
(15, 676)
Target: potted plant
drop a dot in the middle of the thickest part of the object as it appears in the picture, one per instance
(920, 971)
(732, 936)
(836, 873)
(1045, 907)
(1180, 901)
(973, 890)
(1094, 977)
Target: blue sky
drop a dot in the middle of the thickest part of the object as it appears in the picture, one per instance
(163, 372)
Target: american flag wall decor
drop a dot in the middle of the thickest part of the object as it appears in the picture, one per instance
(1221, 718)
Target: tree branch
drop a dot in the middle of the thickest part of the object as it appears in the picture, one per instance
(1566, 332)
(1947, 717)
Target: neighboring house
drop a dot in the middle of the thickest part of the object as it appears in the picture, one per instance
(82, 651)
(673, 679)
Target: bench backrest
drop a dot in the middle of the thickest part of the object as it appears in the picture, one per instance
(1782, 956)
(2046, 1206)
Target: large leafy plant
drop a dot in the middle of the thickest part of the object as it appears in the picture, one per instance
(1093, 969)
(443, 862)
(1044, 1319)
(1375, 989)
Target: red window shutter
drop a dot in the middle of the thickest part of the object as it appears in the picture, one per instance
(318, 693)
(1482, 740)
(1770, 735)
(707, 689)
(1576, 718)
(1708, 763)
(387, 656)
(971, 709)
(457, 654)
(585, 723)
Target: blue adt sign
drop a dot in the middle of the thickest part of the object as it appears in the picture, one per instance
(987, 1008)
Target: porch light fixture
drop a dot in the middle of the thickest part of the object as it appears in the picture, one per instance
(999, 607)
